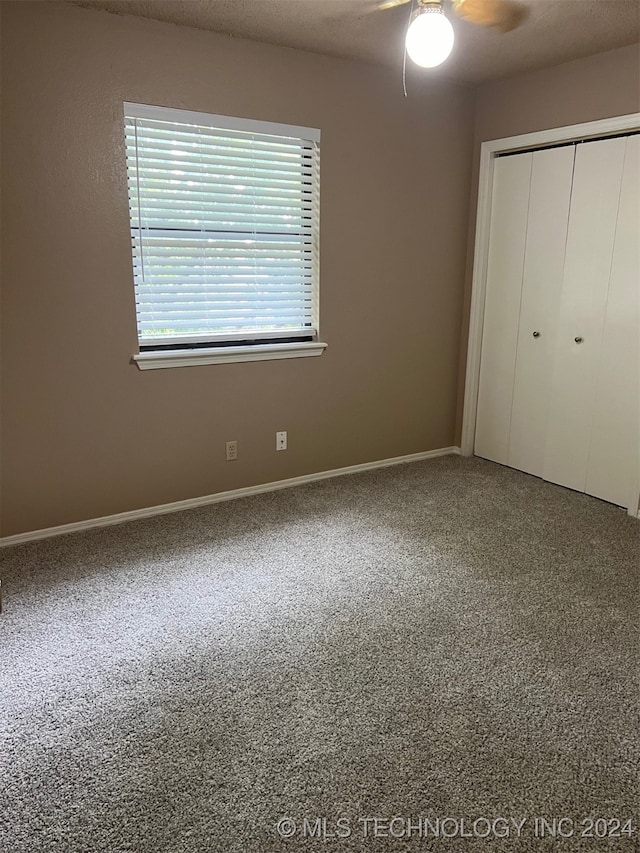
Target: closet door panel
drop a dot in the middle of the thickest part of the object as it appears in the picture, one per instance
(590, 239)
(615, 434)
(508, 229)
(551, 176)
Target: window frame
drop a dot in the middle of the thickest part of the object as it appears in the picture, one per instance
(229, 348)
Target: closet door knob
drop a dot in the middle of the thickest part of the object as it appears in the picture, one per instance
(536, 334)
(578, 340)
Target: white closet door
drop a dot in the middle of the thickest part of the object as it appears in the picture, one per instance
(511, 179)
(590, 239)
(549, 199)
(615, 435)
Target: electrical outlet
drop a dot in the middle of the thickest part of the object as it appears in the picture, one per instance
(281, 440)
(232, 451)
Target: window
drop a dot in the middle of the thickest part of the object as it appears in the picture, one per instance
(224, 228)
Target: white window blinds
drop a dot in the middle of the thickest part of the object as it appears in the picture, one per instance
(224, 227)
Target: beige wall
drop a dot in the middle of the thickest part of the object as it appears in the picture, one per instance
(597, 87)
(85, 433)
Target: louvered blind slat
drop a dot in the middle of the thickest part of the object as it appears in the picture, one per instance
(224, 227)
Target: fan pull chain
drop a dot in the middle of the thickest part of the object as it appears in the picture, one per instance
(404, 73)
(404, 52)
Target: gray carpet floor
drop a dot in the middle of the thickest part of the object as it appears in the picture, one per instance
(448, 639)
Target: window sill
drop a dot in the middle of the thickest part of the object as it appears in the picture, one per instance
(226, 355)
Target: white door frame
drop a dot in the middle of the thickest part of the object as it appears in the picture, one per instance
(488, 152)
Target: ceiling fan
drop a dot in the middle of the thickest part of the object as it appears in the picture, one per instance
(429, 39)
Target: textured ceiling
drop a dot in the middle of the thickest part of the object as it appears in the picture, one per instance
(555, 31)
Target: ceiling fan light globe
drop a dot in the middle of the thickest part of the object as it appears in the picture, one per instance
(429, 38)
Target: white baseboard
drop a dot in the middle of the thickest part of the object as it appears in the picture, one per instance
(191, 503)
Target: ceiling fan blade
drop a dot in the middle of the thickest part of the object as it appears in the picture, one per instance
(506, 15)
(389, 4)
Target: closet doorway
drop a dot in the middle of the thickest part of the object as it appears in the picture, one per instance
(553, 371)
